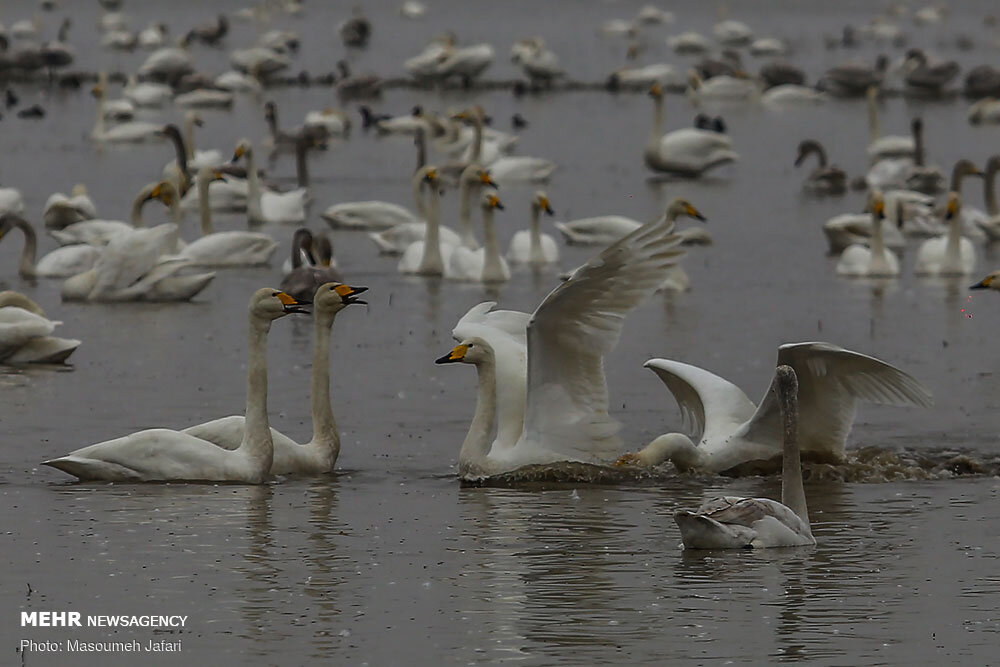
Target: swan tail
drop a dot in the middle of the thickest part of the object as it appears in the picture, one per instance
(86, 469)
(701, 532)
(384, 245)
(44, 350)
(719, 158)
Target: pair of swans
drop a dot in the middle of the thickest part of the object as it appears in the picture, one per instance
(265, 205)
(26, 334)
(231, 248)
(687, 152)
(733, 434)
(874, 260)
(168, 455)
(541, 376)
(730, 522)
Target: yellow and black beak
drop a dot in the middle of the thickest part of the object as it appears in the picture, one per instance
(691, 211)
(983, 284)
(495, 202)
(487, 179)
(432, 176)
(238, 153)
(655, 90)
(218, 176)
(880, 209)
(455, 356)
(547, 207)
(293, 305)
(347, 293)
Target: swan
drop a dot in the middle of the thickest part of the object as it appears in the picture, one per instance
(876, 261)
(259, 60)
(61, 210)
(205, 98)
(194, 159)
(991, 224)
(233, 248)
(686, 152)
(412, 9)
(722, 87)
(850, 229)
(267, 205)
(305, 279)
(951, 253)
(539, 63)
(428, 257)
(531, 246)
(239, 82)
(60, 263)
(689, 42)
(738, 523)
(645, 76)
(924, 76)
(99, 232)
(929, 180)
(768, 46)
(152, 36)
(302, 251)
(466, 62)
(732, 432)
(985, 111)
(147, 93)
(131, 132)
(26, 334)
(505, 168)
(789, 94)
(424, 65)
(732, 33)
(566, 401)
(167, 455)
(395, 240)
(372, 215)
(169, 63)
(825, 179)
(11, 201)
(484, 265)
(132, 267)
(332, 122)
(319, 455)
(892, 146)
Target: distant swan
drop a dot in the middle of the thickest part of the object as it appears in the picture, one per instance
(166, 455)
(825, 179)
(875, 260)
(950, 254)
(737, 523)
(686, 152)
(531, 246)
(60, 263)
(26, 334)
(485, 264)
(267, 205)
(732, 432)
(395, 240)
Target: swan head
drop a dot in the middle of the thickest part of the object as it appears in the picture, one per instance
(876, 204)
(962, 169)
(991, 281)
(541, 202)
(490, 202)
(954, 206)
(674, 447)
(270, 304)
(473, 350)
(806, 146)
(331, 298)
(680, 206)
(195, 118)
(244, 147)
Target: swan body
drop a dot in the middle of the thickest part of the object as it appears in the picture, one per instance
(792, 95)
(737, 523)
(370, 215)
(600, 230)
(26, 337)
(566, 402)
(689, 42)
(67, 261)
(333, 122)
(90, 232)
(732, 33)
(826, 178)
(732, 432)
(170, 62)
(950, 254)
(167, 455)
(985, 111)
(147, 94)
(61, 210)
(875, 260)
(723, 87)
(466, 62)
(687, 152)
(238, 82)
(531, 246)
(205, 98)
(521, 169)
(267, 205)
(661, 73)
(319, 455)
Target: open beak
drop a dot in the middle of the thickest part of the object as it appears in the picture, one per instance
(293, 305)
(348, 292)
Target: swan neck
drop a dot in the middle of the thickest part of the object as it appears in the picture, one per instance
(918, 146)
(99, 127)
(476, 447)
(536, 235)
(302, 163)
(204, 207)
(989, 188)
(421, 143)
(419, 198)
(325, 433)
(492, 265)
(182, 157)
(821, 153)
(465, 213)
(253, 188)
(878, 244)
(477, 137)
(189, 137)
(793, 493)
(257, 444)
(954, 238)
(30, 250)
(432, 263)
(138, 203)
(873, 129)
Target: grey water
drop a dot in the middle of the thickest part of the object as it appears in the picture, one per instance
(391, 561)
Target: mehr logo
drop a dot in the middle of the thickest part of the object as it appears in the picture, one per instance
(50, 619)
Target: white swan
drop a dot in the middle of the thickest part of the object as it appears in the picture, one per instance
(732, 33)
(950, 254)
(791, 95)
(531, 246)
(333, 122)
(319, 455)
(131, 132)
(26, 334)
(859, 261)
(686, 152)
(600, 230)
(11, 201)
(61, 210)
(60, 263)
(147, 93)
(732, 432)
(721, 87)
(484, 265)
(429, 256)
(642, 77)
(689, 42)
(986, 110)
(566, 406)
(267, 205)
(205, 98)
(737, 523)
(166, 455)
(233, 248)
(887, 147)
(395, 240)
(132, 267)
(466, 62)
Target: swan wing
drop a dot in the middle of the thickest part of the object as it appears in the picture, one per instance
(831, 382)
(711, 407)
(571, 331)
(511, 322)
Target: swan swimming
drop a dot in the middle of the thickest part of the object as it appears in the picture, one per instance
(566, 401)
(687, 152)
(732, 432)
(166, 455)
(531, 246)
(738, 523)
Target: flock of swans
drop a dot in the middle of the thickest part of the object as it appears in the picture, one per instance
(542, 397)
